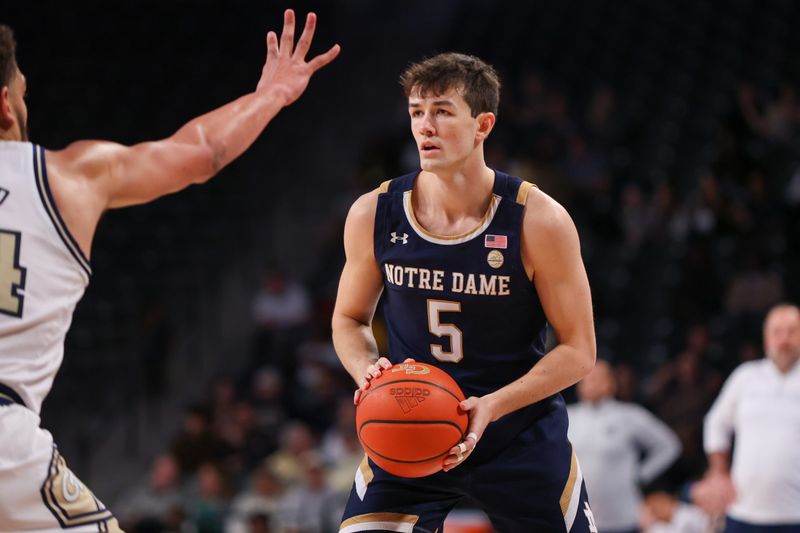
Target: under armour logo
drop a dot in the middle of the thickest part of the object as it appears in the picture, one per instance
(3, 195)
(395, 237)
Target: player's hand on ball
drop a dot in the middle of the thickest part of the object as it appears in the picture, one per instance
(371, 372)
(480, 414)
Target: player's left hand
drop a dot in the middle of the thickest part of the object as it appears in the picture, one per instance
(480, 414)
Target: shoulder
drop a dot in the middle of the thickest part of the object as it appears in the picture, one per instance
(359, 227)
(748, 370)
(544, 215)
(364, 208)
(83, 159)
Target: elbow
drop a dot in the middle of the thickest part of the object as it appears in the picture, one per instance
(588, 357)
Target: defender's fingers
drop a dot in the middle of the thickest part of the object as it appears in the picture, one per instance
(323, 59)
(287, 35)
(304, 43)
(272, 45)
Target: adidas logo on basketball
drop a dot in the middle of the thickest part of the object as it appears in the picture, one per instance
(409, 397)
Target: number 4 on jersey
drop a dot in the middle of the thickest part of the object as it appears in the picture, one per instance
(12, 275)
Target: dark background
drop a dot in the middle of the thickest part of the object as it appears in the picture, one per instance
(686, 204)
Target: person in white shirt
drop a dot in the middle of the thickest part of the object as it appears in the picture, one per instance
(759, 405)
(621, 446)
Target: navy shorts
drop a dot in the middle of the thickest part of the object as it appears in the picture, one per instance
(735, 526)
(533, 485)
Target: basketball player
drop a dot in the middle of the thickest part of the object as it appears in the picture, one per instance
(50, 203)
(473, 264)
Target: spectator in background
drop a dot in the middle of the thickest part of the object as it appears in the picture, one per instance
(269, 402)
(340, 448)
(620, 446)
(760, 406)
(261, 499)
(295, 440)
(249, 442)
(147, 506)
(680, 394)
(754, 288)
(207, 504)
(664, 513)
(777, 121)
(197, 442)
(312, 506)
(281, 312)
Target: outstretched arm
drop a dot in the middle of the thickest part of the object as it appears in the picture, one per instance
(107, 175)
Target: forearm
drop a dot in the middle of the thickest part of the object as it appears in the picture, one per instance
(226, 132)
(565, 365)
(719, 462)
(355, 345)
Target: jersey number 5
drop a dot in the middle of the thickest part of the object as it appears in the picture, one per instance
(12, 275)
(435, 308)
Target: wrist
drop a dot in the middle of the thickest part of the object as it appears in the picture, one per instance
(273, 94)
(493, 406)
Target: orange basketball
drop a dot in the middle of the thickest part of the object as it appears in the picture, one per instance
(408, 419)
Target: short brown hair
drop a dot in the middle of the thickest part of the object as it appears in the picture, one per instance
(8, 50)
(440, 73)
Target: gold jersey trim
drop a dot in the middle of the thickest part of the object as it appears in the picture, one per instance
(402, 523)
(522, 194)
(571, 495)
(486, 220)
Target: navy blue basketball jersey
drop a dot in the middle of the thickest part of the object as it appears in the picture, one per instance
(463, 303)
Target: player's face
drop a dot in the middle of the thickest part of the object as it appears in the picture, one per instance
(782, 335)
(444, 129)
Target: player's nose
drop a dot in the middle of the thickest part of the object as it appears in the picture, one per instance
(426, 126)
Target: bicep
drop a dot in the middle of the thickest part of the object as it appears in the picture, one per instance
(122, 175)
(361, 283)
(560, 277)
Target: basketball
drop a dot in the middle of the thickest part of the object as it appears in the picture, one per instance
(409, 418)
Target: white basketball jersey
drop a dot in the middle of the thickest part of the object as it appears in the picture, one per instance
(43, 274)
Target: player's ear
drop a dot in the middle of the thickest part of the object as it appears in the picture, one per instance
(486, 122)
(6, 116)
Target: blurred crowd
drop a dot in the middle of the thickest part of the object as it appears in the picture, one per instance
(274, 449)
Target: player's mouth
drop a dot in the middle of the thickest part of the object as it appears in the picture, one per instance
(429, 148)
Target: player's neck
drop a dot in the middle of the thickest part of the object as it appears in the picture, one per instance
(464, 192)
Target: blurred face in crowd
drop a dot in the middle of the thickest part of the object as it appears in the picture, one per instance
(165, 473)
(14, 114)
(782, 336)
(445, 131)
(598, 385)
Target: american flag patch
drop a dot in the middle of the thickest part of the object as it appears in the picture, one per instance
(496, 241)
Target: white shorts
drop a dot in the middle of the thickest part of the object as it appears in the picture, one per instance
(38, 493)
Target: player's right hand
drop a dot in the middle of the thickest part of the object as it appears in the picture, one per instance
(286, 72)
(371, 372)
